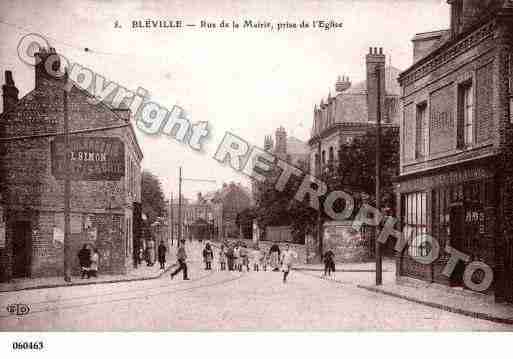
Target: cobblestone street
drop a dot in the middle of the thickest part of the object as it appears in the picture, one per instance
(227, 301)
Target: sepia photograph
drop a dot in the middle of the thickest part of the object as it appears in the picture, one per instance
(233, 166)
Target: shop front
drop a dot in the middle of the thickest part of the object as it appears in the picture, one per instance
(458, 207)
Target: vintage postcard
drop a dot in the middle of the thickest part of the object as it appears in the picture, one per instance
(225, 165)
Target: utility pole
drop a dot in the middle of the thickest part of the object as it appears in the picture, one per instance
(171, 224)
(379, 267)
(67, 194)
(180, 206)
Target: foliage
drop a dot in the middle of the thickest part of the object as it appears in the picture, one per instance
(152, 197)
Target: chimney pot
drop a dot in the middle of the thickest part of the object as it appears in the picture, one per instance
(9, 92)
(8, 78)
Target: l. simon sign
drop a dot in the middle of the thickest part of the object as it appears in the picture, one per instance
(92, 158)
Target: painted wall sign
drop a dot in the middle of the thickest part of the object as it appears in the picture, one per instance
(92, 158)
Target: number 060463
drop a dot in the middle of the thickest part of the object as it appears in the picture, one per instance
(27, 345)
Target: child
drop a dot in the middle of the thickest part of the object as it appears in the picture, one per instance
(95, 259)
(255, 258)
(287, 258)
(265, 258)
(329, 263)
(208, 256)
(244, 257)
(236, 258)
(222, 257)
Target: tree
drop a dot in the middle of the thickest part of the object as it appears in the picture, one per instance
(152, 197)
(356, 171)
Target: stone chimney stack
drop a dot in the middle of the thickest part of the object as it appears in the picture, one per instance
(342, 84)
(375, 59)
(9, 92)
(47, 59)
(281, 142)
(466, 13)
(268, 144)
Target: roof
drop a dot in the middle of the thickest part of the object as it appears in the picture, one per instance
(391, 84)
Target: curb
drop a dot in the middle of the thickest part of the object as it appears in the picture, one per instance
(339, 270)
(447, 308)
(76, 284)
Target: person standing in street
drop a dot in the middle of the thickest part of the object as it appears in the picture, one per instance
(150, 249)
(161, 252)
(329, 263)
(84, 258)
(237, 260)
(208, 256)
(95, 261)
(222, 257)
(181, 256)
(274, 254)
(287, 258)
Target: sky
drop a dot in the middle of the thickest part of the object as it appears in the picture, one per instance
(248, 81)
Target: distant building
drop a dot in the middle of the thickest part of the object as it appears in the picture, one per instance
(456, 175)
(105, 172)
(287, 148)
(233, 198)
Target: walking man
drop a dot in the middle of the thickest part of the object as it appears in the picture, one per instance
(181, 256)
(287, 257)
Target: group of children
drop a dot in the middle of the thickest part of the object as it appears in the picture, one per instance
(238, 258)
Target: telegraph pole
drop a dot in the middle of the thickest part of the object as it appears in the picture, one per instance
(180, 206)
(67, 194)
(171, 224)
(379, 267)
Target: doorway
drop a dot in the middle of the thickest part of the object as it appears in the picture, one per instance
(22, 249)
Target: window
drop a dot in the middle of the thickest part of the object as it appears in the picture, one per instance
(332, 158)
(323, 157)
(415, 219)
(466, 115)
(422, 141)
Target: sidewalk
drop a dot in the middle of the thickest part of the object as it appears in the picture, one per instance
(454, 300)
(141, 273)
(367, 267)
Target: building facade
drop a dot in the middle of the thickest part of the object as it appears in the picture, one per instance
(339, 120)
(105, 179)
(457, 145)
(352, 112)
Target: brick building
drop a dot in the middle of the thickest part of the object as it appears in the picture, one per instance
(352, 112)
(456, 177)
(105, 173)
(338, 120)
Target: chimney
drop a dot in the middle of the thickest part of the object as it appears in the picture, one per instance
(47, 57)
(9, 92)
(281, 141)
(466, 13)
(375, 59)
(342, 84)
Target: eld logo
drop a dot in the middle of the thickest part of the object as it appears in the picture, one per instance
(18, 309)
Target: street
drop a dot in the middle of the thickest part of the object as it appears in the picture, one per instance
(226, 301)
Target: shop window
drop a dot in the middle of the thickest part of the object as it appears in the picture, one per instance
(415, 219)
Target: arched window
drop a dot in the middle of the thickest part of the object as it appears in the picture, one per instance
(323, 157)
